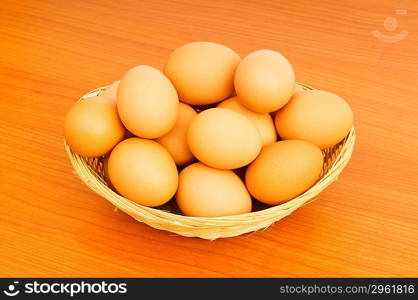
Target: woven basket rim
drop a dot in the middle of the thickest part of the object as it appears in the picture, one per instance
(89, 176)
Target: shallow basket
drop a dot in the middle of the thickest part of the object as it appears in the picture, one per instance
(169, 218)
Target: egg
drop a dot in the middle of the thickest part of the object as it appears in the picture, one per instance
(263, 122)
(147, 102)
(202, 72)
(264, 81)
(175, 141)
(284, 170)
(143, 171)
(111, 90)
(320, 117)
(224, 139)
(208, 192)
(92, 126)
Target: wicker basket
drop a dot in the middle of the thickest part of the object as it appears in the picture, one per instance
(169, 218)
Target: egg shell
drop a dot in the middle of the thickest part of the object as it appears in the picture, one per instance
(147, 102)
(320, 117)
(143, 171)
(92, 126)
(111, 90)
(175, 141)
(264, 81)
(202, 72)
(263, 122)
(224, 139)
(284, 170)
(208, 192)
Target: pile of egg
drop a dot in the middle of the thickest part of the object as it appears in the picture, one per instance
(212, 130)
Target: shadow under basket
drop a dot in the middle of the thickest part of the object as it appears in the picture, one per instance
(169, 218)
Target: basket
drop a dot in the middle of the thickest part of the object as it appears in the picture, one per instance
(169, 218)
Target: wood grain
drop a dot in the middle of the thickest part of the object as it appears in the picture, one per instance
(53, 51)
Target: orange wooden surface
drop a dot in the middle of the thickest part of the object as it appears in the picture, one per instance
(51, 52)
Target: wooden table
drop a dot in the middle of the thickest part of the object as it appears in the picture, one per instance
(52, 52)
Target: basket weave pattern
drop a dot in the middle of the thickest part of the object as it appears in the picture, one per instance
(169, 218)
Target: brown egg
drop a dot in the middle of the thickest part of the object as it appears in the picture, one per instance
(176, 140)
(143, 171)
(208, 192)
(92, 126)
(264, 81)
(202, 72)
(263, 122)
(284, 170)
(147, 102)
(224, 139)
(111, 90)
(316, 116)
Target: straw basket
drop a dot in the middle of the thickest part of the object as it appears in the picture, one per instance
(169, 218)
